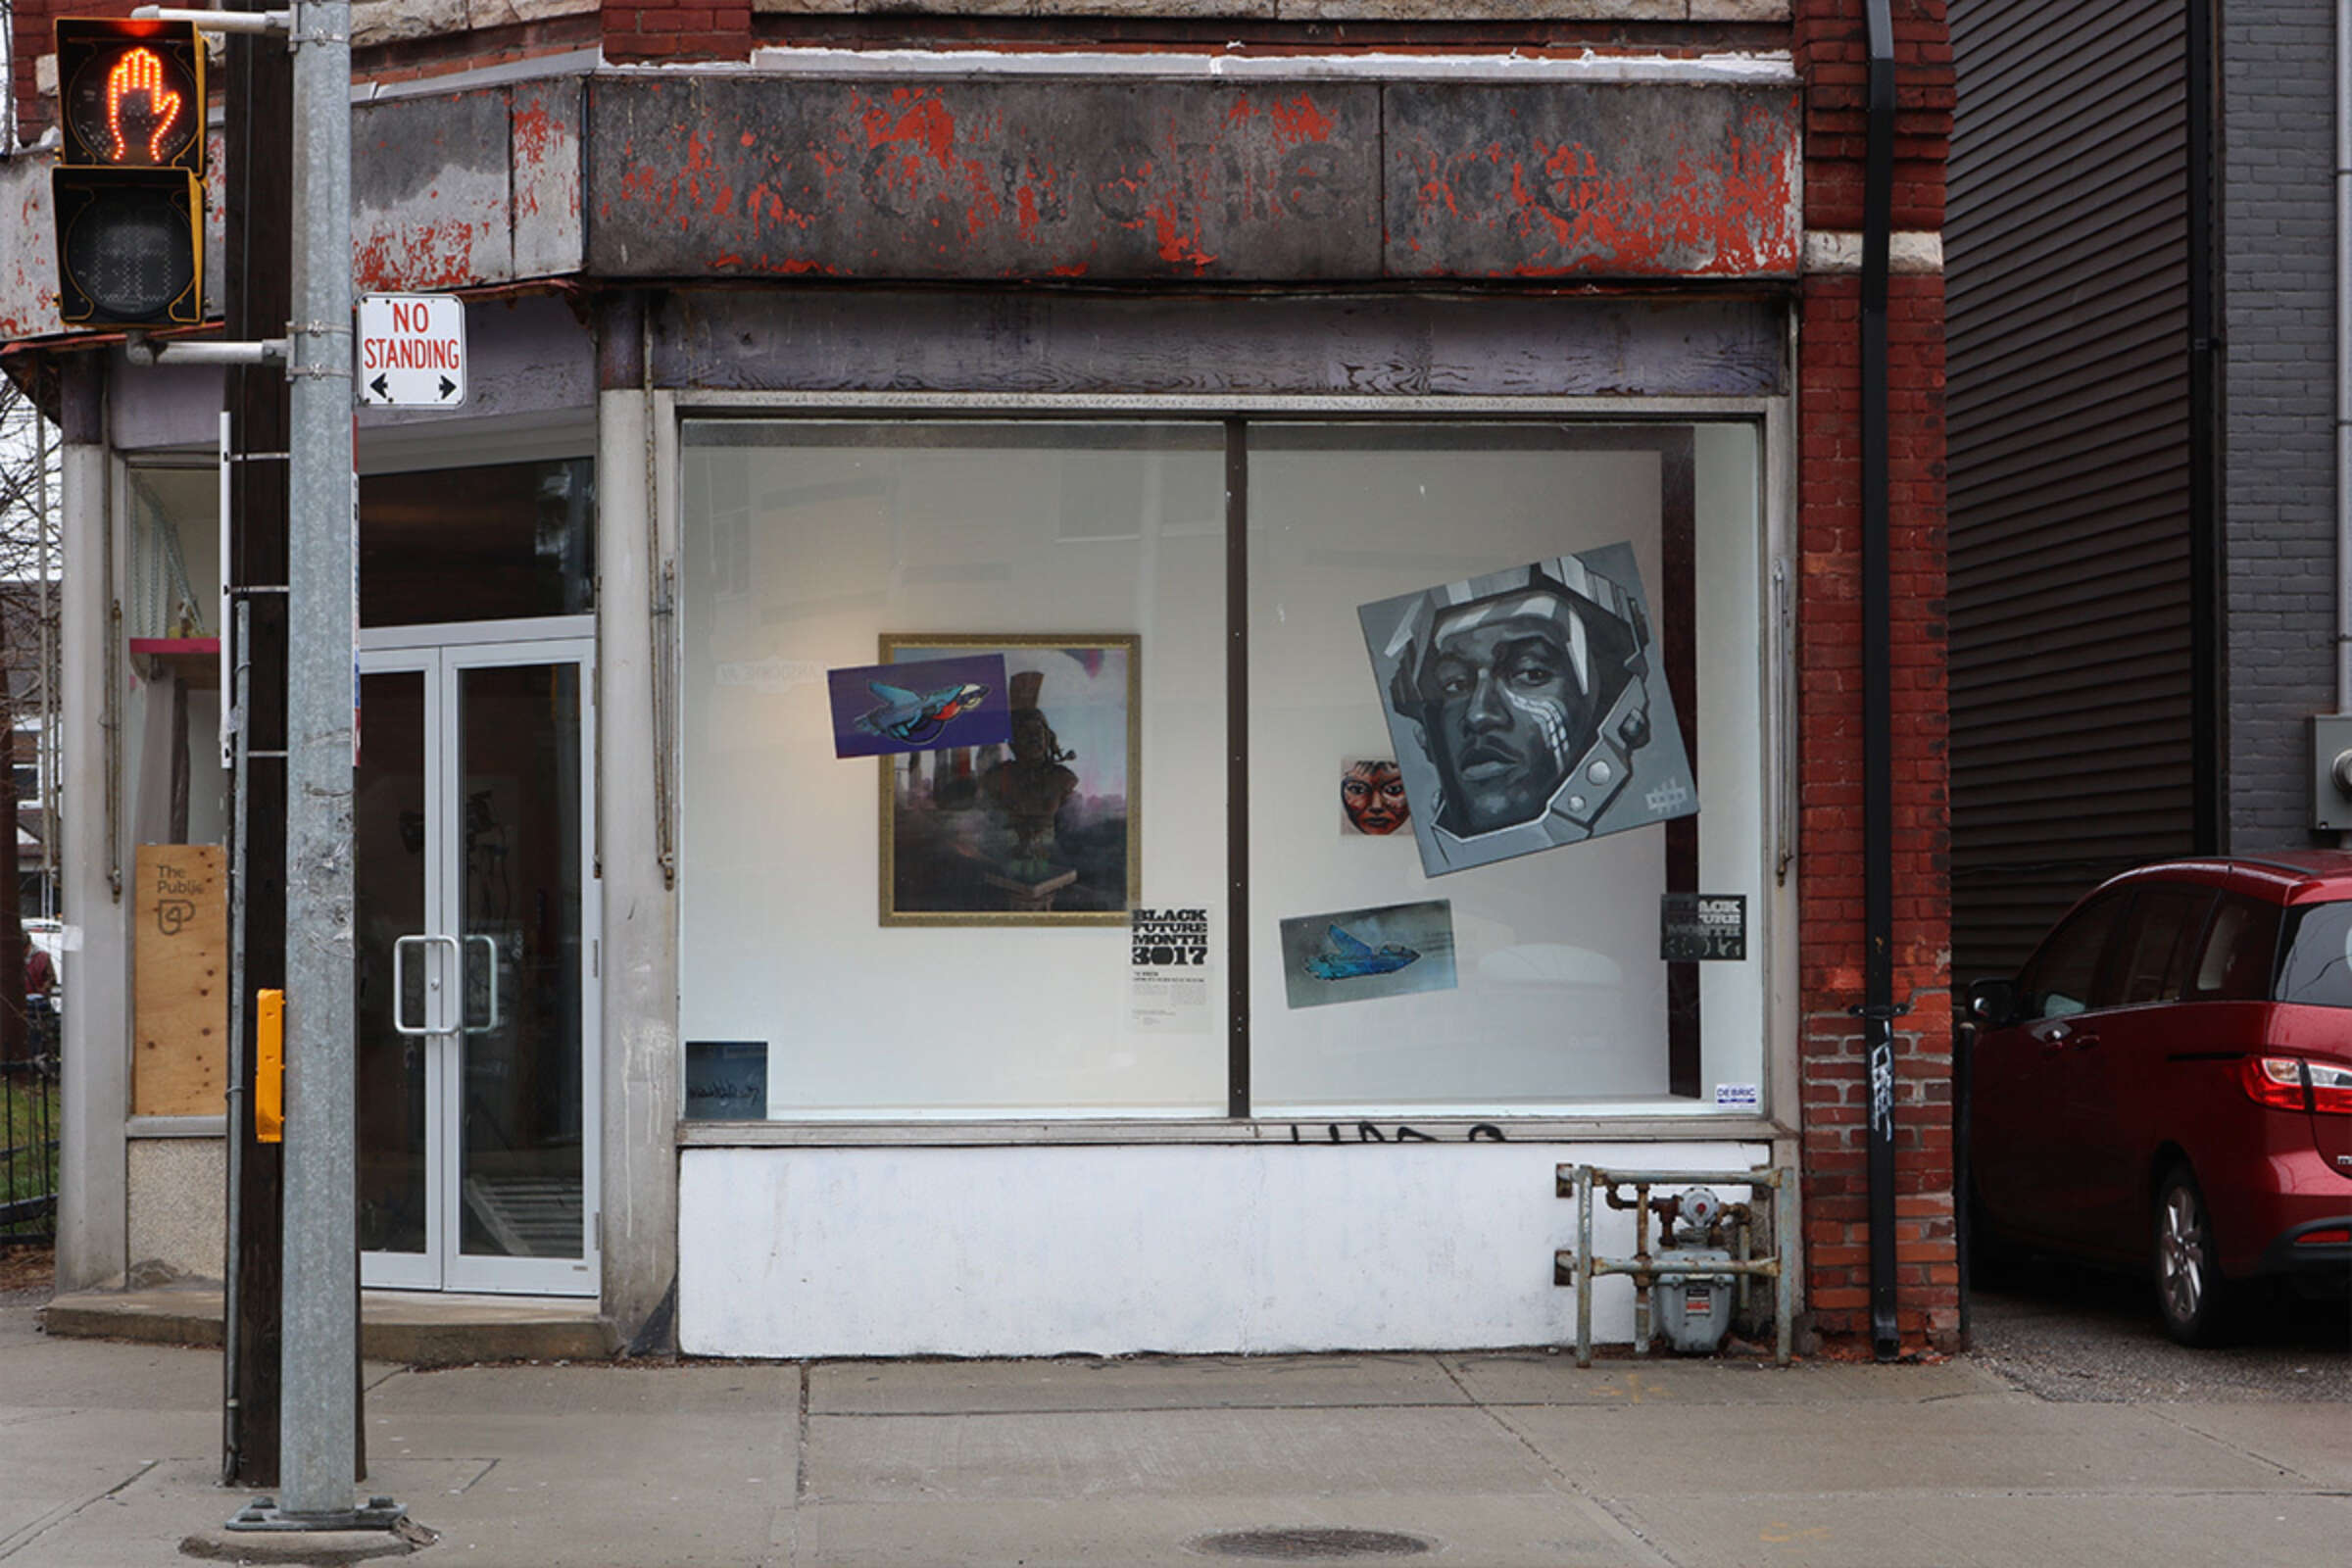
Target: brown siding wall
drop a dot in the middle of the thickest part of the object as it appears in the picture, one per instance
(2067, 255)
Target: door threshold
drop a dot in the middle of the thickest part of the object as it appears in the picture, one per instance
(414, 1328)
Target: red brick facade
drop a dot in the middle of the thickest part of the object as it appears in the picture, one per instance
(1832, 53)
(651, 31)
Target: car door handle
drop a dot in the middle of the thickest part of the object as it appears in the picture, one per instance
(2085, 1041)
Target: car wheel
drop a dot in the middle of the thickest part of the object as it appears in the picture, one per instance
(2191, 1292)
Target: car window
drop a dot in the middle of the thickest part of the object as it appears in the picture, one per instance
(2162, 923)
(2234, 961)
(2063, 978)
(2318, 967)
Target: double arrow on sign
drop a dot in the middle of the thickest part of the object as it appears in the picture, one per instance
(381, 386)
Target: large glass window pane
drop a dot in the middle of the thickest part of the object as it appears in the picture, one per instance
(522, 1169)
(1555, 991)
(388, 863)
(497, 543)
(177, 787)
(977, 980)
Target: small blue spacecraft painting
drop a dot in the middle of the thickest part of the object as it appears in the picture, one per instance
(927, 706)
(1358, 954)
(1346, 959)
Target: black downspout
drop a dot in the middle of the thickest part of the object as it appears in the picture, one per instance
(1878, 1010)
(2204, 453)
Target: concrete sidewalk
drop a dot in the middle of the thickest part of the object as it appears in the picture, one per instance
(108, 1455)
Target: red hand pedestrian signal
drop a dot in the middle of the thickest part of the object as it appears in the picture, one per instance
(139, 74)
(127, 192)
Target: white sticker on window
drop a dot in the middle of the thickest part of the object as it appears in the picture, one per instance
(1169, 972)
(1745, 1096)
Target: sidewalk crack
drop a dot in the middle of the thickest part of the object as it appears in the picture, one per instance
(799, 1451)
(2162, 1413)
(59, 1516)
(1601, 1507)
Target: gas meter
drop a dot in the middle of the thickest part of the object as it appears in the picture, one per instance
(1693, 1306)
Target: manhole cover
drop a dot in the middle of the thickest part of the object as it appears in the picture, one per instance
(1309, 1544)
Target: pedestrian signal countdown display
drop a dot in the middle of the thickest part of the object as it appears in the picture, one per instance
(129, 177)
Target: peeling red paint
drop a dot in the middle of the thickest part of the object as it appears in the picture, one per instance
(1178, 243)
(1300, 120)
(433, 255)
(1723, 209)
(790, 266)
(536, 132)
(926, 121)
(918, 125)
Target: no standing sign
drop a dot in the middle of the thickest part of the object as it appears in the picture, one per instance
(411, 351)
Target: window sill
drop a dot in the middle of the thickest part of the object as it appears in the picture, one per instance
(1450, 1129)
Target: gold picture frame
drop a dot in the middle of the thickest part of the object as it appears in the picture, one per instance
(1017, 835)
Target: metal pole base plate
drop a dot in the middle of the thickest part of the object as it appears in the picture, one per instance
(264, 1513)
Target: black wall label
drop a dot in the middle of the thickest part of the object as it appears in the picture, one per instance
(1701, 926)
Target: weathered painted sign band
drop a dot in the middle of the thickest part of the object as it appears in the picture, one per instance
(747, 176)
(735, 176)
(756, 175)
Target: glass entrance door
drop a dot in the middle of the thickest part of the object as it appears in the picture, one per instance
(476, 1006)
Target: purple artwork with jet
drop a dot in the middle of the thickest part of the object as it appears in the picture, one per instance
(924, 706)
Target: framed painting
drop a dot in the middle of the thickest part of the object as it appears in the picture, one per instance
(1044, 830)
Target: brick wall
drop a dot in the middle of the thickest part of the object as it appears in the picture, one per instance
(1832, 53)
(655, 30)
(2279, 491)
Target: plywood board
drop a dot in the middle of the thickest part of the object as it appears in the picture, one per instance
(179, 981)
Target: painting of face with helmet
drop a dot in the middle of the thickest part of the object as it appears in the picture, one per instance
(1526, 708)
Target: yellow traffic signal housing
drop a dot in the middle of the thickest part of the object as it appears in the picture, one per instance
(129, 186)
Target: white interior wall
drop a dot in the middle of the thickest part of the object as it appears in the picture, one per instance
(1201, 1249)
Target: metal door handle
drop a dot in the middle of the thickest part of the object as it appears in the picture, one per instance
(400, 990)
(495, 1020)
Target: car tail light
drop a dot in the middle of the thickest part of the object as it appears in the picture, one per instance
(2331, 1237)
(2274, 1081)
(2289, 1083)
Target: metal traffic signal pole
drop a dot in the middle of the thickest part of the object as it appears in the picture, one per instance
(318, 1399)
(318, 1394)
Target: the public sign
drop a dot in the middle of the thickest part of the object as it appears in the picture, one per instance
(411, 351)
(129, 186)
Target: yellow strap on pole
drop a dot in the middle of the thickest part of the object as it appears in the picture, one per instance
(269, 1067)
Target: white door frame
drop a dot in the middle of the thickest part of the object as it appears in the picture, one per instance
(441, 654)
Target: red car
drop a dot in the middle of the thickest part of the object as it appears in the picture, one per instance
(2167, 1083)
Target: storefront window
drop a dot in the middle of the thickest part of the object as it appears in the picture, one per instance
(1504, 703)
(503, 542)
(986, 972)
(176, 786)
(1502, 695)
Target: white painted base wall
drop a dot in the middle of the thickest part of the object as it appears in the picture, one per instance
(1259, 1249)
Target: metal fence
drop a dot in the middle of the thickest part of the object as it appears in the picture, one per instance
(28, 1137)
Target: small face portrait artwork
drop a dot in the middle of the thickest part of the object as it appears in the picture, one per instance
(1372, 801)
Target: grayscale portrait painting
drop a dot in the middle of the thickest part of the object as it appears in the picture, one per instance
(1529, 708)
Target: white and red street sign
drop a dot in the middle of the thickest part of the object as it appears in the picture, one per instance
(411, 351)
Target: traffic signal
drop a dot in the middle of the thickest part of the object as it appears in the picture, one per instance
(129, 186)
